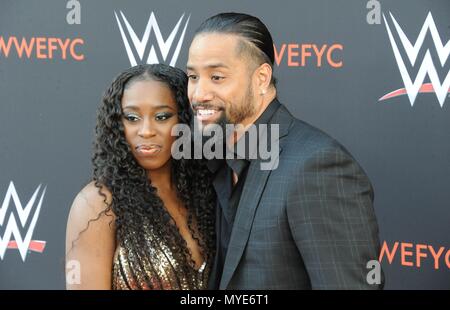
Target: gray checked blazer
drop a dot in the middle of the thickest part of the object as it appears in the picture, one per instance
(308, 224)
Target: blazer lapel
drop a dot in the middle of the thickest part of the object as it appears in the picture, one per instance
(252, 192)
(214, 277)
(253, 188)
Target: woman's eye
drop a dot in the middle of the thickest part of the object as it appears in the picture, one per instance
(131, 118)
(163, 116)
(192, 77)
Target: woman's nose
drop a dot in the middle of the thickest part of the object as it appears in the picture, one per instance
(146, 129)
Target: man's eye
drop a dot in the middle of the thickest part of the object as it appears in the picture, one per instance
(131, 117)
(163, 116)
(217, 77)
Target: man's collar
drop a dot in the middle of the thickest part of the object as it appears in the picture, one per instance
(263, 119)
(266, 116)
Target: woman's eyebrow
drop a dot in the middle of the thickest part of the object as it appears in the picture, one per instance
(163, 106)
(131, 107)
(158, 107)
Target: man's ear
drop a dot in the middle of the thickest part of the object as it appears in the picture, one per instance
(263, 78)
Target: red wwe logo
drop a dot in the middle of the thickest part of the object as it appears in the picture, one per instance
(12, 230)
(426, 67)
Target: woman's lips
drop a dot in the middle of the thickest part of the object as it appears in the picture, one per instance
(148, 150)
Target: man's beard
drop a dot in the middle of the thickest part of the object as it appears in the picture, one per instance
(238, 112)
(233, 114)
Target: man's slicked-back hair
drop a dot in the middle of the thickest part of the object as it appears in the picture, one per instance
(256, 38)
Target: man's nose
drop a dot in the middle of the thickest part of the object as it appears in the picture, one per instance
(201, 92)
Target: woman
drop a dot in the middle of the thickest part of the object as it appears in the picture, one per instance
(146, 221)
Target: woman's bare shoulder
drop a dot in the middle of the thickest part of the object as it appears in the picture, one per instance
(91, 203)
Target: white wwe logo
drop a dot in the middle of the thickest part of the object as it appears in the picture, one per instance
(12, 229)
(140, 45)
(426, 68)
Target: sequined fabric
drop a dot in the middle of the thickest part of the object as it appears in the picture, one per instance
(158, 270)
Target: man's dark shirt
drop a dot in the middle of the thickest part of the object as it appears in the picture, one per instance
(228, 196)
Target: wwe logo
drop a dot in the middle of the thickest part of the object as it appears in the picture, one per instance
(426, 68)
(141, 44)
(12, 229)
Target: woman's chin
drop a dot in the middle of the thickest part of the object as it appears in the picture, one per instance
(152, 164)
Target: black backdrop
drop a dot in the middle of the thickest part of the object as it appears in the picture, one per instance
(55, 64)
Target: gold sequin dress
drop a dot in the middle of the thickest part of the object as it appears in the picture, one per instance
(159, 268)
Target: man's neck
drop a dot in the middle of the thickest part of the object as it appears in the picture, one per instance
(246, 123)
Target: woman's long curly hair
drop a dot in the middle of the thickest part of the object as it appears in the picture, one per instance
(135, 202)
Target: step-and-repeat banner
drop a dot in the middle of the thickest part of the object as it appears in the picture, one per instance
(373, 74)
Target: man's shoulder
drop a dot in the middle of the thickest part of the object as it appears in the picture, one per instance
(305, 143)
(302, 135)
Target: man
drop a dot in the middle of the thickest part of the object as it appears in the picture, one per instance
(308, 222)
